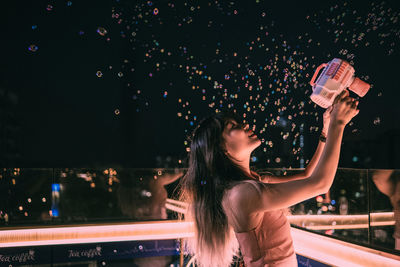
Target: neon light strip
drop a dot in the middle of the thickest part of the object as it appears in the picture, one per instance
(95, 233)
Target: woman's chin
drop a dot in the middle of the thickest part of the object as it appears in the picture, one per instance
(256, 138)
(256, 142)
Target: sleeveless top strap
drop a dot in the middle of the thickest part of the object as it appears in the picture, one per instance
(255, 183)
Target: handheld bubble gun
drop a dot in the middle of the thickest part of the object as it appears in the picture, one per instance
(337, 76)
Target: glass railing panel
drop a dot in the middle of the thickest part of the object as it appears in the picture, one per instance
(32, 197)
(88, 195)
(342, 212)
(25, 197)
(385, 204)
(36, 197)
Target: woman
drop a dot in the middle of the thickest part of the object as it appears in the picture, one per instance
(233, 207)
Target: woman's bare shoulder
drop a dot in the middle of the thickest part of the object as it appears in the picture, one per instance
(246, 192)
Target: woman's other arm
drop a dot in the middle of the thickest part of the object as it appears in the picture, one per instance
(273, 179)
(276, 179)
(283, 195)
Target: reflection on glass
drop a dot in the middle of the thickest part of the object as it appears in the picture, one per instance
(387, 182)
(142, 196)
(86, 195)
(25, 196)
(341, 212)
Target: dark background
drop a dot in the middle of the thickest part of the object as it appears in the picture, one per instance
(55, 111)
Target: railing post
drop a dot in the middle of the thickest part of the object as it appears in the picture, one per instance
(181, 252)
(369, 208)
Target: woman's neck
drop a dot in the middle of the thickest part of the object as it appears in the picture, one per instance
(244, 164)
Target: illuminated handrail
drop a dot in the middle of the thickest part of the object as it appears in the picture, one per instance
(93, 233)
(320, 222)
(324, 222)
(152, 230)
(176, 202)
(310, 245)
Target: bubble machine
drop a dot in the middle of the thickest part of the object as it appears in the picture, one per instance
(337, 76)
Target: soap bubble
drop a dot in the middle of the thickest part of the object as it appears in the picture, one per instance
(33, 48)
(285, 136)
(101, 31)
(377, 121)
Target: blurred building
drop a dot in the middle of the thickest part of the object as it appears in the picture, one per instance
(380, 152)
(9, 128)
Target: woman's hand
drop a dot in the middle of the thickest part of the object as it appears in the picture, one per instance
(344, 109)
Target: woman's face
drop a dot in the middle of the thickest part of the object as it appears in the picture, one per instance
(239, 139)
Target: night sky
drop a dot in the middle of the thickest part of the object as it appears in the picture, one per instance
(122, 83)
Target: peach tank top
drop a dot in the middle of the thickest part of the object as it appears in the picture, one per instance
(270, 242)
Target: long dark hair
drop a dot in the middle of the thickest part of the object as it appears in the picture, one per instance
(210, 172)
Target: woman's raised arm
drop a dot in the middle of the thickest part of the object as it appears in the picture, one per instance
(276, 196)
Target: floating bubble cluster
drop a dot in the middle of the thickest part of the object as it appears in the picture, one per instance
(372, 28)
(264, 79)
